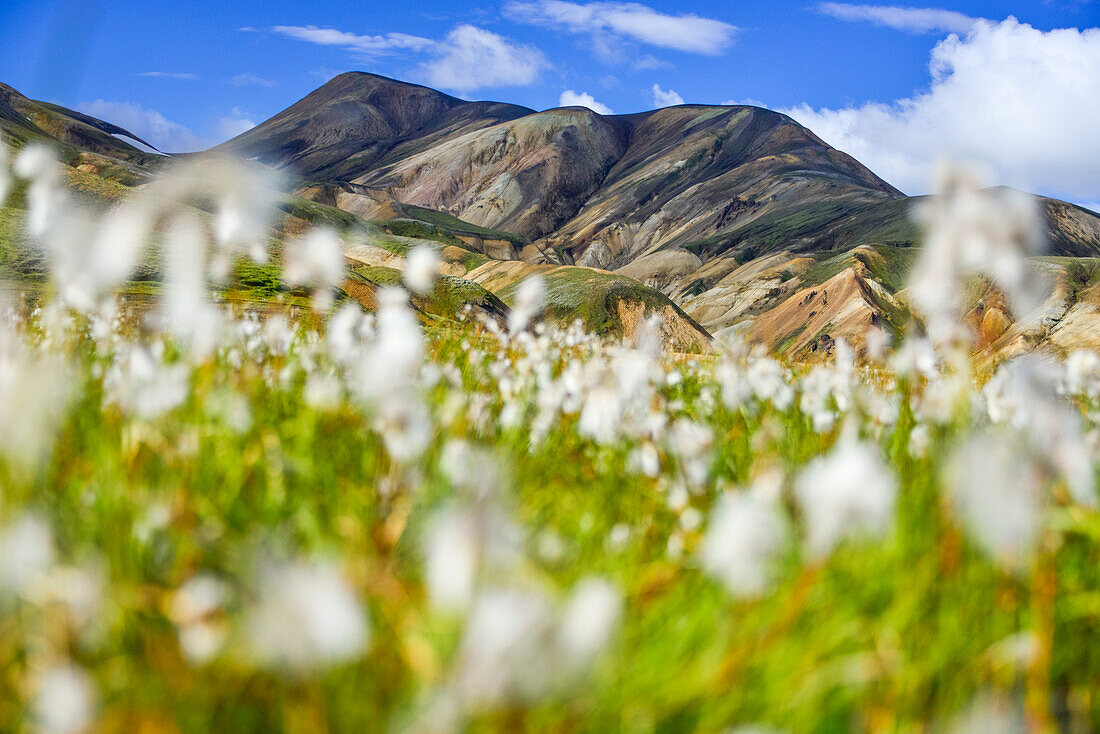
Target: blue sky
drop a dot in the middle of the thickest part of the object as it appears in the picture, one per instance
(187, 74)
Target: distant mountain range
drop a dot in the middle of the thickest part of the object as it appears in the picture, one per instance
(745, 219)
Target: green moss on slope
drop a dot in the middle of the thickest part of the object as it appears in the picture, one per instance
(448, 297)
(593, 296)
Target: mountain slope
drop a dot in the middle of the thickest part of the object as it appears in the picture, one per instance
(720, 218)
(23, 120)
(352, 122)
(704, 183)
(744, 218)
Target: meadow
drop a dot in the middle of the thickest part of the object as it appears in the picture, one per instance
(301, 516)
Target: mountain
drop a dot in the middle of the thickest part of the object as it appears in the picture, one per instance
(75, 134)
(719, 218)
(593, 189)
(732, 211)
(358, 121)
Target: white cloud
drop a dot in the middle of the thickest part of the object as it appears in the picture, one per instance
(366, 45)
(689, 33)
(910, 20)
(168, 74)
(149, 125)
(650, 62)
(236, 123)
(569, 98)
(248, 79)
(665, 97)
(746, 102)
(468, 58)
(471, 58)
(1021, 102)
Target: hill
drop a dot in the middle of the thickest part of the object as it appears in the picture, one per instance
(731, 217)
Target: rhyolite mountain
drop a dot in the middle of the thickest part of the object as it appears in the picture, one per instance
(742, 217)
(75, 134)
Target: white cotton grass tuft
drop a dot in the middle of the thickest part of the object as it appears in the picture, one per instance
(421, 268)
(847, 493)
(451, 549)
(405, 426)
(247, 202)
(997, 492)
(35, 391)
(991, 711)
(588, 621)
(1081, 374)
(745, 535)
(306, 616)
(315, 260)
(195, 608)
(1024, 395)
(971, 229)
(27, 553)
(768, 381)
(503, 654)
(530, 297)
(47, 200)
(143, 385)
(64, 701)
(187, 312)
(89, 256)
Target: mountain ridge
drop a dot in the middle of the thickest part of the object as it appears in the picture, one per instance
(740, 217)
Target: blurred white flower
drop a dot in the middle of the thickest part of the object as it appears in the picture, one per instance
(35, 390)
(599, 419)
(186, 309)
(421, 267)
(504, 650)
(645, 460)
(84, 269)
(991, 712)
(530, 296)
(78, 588)
(316, 260)
(405, 426)
(194, 609)
(278, 334)
(768, 381)
(323, 391)
(247, 199)
(471, 468)
(997, 492)
(143, 385)
(1024, 394)
(919, 438)
(1081, 375)
(744, 536)
(588, 620)
(306, 616)
(970, 229)
(916, 357)
(735, 388)
(47, 200)
(849, 492)
(618, 536)
(64, 702)
(26, 552)
(451, 549)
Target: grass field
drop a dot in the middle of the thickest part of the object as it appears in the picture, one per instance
(554, 460)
